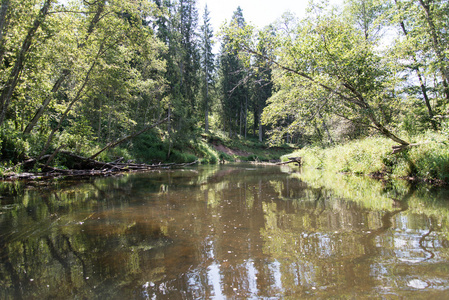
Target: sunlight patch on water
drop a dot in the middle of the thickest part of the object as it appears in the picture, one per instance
(215, 280)
(417, 284)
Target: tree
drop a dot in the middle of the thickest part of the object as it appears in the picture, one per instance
(325, 54)
(233, 72)
(207, 63)
(97, 10)
(77, 48)
(179, 33)
(414, 64)
(262, 81)
(21, 56)
(435, 15)
(190, 62)
(366, 15)
(418, 54)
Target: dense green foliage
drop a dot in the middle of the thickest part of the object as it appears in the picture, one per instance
(78, 75)
(370, 67)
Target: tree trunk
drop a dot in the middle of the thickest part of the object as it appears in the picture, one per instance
(421, 81)
(439, 51)
(256, 120)
(206, 113)
(110, 111)
(3, 11)
(65, 73)
(45, 103)
(246, 115)
(3, 24)
(96, 18)
(260, 126)
(169, 126)
(241, 119)
(69, 108)
(326, 129)
(13, 79)
(99, 121)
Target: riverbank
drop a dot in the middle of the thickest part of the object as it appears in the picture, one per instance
(426, 161)
(146, 152)
(239, 149)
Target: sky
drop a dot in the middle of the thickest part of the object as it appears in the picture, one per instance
(256, 12)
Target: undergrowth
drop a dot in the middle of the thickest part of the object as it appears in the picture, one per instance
(153, 146)
(429, 160)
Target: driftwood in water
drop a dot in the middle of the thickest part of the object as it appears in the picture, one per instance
(297, 160)
(89, 163)
(84, 167)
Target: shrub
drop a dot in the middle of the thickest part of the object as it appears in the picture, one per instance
(428, 160)
(226, 157)
(181, 157)
(148, 147)
(14, 146)
(207, 154)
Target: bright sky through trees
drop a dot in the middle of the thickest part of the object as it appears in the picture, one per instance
(257, 12)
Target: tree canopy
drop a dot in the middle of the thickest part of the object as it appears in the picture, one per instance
(85, 74)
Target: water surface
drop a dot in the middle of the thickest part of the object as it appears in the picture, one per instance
(224, 232)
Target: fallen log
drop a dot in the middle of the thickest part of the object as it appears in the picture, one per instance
(400, 148)
(297, 160)
(85, 167)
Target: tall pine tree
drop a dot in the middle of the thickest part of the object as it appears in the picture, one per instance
(207, 64)
(232, 78)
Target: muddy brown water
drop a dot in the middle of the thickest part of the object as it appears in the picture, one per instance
(224, 232)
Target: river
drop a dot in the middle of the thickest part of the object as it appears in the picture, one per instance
(224, 232)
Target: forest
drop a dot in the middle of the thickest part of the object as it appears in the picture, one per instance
(152, 81)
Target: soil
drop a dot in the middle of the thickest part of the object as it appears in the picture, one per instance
(230, 151)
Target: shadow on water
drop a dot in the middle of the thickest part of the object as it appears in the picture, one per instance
(233, 231)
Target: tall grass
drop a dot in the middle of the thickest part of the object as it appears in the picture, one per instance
(427, 161)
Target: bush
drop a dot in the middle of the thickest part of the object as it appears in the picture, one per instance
(14, 146)
(177, 156)
(429, 160)
(225, 157)
(148, 147)
(207, 154)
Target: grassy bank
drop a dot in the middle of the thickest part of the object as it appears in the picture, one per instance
(244, 149)
(429, 161)
(207, 149)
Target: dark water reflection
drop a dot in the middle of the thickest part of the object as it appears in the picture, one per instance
(234, 232)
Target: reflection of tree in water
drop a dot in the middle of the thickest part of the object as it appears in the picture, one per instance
(335, 244)
(369, 240)
(220, 233)
(422, 245)
(54, 247)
